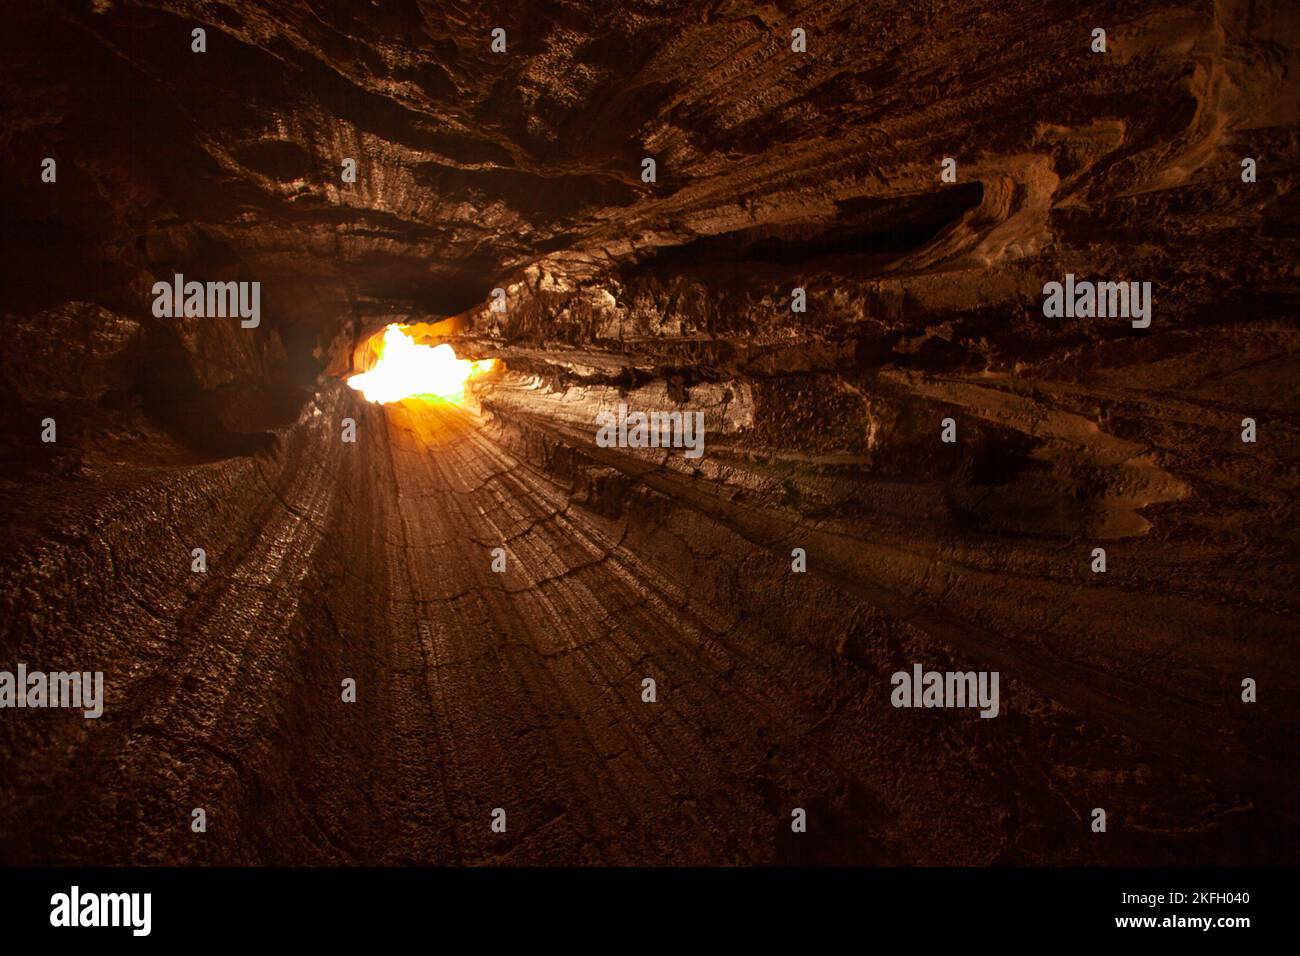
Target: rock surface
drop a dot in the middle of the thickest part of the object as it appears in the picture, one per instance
(523, 690)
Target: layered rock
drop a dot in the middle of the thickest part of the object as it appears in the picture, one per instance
(775, 171)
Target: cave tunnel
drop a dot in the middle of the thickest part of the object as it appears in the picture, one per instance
(761, 417)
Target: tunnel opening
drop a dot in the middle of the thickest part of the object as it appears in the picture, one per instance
(398, 366)
(347, 631)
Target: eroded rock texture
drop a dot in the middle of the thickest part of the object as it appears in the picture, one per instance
(523, 690)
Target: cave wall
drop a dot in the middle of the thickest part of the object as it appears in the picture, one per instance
(775, 170)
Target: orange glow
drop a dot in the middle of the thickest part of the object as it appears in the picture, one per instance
(406, 369)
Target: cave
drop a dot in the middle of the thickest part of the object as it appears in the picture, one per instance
(881, 559)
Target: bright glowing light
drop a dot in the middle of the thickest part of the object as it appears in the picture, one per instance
(406, 369)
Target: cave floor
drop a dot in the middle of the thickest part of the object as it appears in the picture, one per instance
(523, 690)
